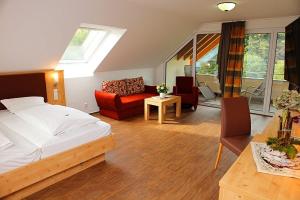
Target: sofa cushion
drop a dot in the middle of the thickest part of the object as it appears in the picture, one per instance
(115, 86)
(134, 100)
(135, 85)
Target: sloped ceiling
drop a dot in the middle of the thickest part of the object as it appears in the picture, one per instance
(35, 33)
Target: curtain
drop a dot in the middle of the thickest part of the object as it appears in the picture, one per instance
(292, 55)
(230, 58)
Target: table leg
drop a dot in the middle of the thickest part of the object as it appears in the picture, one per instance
(164, 109)
(160, 114)
(146, 111)
(178, 108)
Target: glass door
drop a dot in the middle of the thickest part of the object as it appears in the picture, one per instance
(263, 68)
(206, 75)
(255, 69)
(278, 82)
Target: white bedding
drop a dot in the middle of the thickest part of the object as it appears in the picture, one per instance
(35, 135)
(31, 145)
(55, 119)
(20, 153)
(4, 142)
(72, 139)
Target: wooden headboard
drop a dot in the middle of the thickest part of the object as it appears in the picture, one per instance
(31, 84)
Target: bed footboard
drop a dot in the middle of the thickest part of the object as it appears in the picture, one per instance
(26, 180)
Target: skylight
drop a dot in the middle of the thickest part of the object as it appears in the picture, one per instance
(87, 49)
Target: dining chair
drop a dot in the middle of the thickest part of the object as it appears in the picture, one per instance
(235, 126)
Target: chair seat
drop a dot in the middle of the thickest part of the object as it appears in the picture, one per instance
(236, 144)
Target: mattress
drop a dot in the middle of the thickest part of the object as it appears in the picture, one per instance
(26, 150)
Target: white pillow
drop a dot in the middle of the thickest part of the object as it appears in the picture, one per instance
(17, 104)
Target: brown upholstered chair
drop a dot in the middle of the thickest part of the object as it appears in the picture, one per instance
(235, 125)
(186, 90)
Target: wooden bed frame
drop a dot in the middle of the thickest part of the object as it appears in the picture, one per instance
(26, 180)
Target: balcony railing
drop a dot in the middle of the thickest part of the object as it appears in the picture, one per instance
(213, 82)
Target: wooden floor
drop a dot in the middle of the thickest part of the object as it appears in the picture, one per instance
(152, 161)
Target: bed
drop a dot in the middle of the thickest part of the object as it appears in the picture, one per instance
(38, 158)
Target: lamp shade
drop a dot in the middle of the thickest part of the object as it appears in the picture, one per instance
(226, 6)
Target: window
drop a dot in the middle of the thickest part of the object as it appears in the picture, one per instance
(255, 68)
(87, 48)
(279, 57)
(207, 65)
(256, 55)
(83, 45)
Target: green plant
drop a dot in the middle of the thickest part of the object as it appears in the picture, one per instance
(289, 99)
(162, 88)
(279, 144)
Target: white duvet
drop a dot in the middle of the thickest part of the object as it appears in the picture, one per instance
(33, 134)
(55, 119)
(4, 142)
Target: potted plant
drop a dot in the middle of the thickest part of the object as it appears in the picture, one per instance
(288, 101)
(162, 89)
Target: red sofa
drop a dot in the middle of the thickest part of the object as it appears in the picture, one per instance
(121, 106)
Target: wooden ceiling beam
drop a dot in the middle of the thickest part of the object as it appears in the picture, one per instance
(207, 41)
(202, 41)
(185, 49)
(208, 48)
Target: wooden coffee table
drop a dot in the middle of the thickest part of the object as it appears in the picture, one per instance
(161, 104)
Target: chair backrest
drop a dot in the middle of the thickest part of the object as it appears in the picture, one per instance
(184, 84)
(235, 117)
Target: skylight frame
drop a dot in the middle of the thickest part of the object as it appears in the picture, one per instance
(73, 68)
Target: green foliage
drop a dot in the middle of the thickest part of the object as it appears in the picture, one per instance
(162, 88)
(289, 149)
(256, 57)
(79, 37)
(211, 67)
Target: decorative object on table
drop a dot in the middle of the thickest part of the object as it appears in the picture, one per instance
(289, 99)
(162, 89)
(280, 155)
(274, 162)
(284, 142)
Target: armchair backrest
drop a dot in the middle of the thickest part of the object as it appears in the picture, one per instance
(235, 117)
(184, 84)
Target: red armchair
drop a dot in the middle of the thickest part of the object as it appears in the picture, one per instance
(121, 107)
(186, 89)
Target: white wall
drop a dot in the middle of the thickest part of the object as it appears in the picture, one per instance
(175, 68)
(81, 90)
(35, 33)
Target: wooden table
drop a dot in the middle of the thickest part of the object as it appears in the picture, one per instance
(243, 182)
(161, 104)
